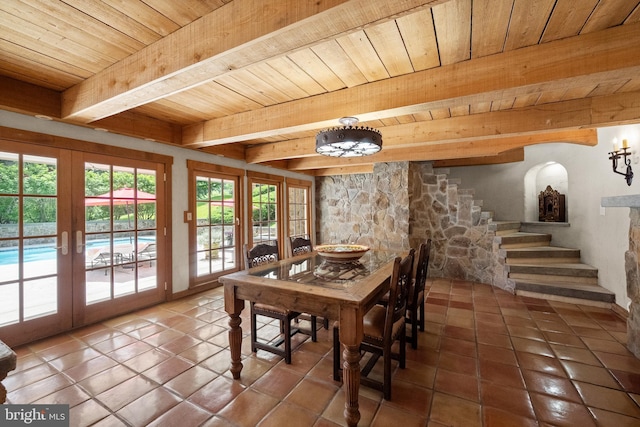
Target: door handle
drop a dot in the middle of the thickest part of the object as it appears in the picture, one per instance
(65, 243)
(79, 244)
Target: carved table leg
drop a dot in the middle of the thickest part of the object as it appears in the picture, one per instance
(351, 379)
(235, 344)
(233, 306)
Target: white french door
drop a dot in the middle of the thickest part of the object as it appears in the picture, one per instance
(70, 253)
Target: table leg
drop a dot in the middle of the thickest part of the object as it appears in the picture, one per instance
(233, 307)
(235, 344)
(351, 333)
(351, 379)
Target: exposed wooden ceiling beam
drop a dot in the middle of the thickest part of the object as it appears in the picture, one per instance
(559, 116)
(451, 150)
(568, 63)
(138, 125)
(232, 151)
(348, 170)
(28, 98)
(510, 156)
(236, 35)
(35, 100)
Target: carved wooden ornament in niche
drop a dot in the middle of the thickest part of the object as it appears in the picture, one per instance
(551, 207)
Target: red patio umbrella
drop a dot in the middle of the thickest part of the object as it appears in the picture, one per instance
(121, 196)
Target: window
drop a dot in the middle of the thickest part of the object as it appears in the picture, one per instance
(299, 208)
(265, 208)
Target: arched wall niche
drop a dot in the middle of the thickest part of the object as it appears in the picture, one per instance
(537, 179)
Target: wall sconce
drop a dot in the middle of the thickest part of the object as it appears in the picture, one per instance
(623, 153)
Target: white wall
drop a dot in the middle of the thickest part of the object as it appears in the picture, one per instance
(179, 181)
(601, 234)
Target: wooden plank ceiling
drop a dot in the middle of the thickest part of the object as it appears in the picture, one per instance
(475, 80)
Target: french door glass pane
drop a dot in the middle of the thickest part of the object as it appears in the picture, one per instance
(40, 175)
(40, 297)
(9, 261)
(9, 303)
(39, 257)
(9, 211)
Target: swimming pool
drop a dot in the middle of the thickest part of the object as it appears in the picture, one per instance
(46, 253)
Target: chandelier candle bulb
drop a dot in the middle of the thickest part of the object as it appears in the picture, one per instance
(625, 143)
(615, 144)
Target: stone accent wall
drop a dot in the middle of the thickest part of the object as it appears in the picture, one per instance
(462, 242)
(344, 213)
(399, 206)
(368, 209)
(390, 203)
(632, 267)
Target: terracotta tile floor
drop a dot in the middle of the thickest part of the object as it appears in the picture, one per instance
(486, 358)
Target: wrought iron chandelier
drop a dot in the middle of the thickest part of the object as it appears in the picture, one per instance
(349, 140)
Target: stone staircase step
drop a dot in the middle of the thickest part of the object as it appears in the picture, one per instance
(524, 240)
(542, 255)
(504, 227)
(540, 270)
(577, 273)
(567, 290)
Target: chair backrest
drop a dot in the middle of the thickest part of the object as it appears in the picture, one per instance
(262, 253)
(420, 271)
(399, 291)
(300, 245)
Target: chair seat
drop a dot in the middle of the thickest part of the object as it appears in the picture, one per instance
(275, 310)
(373, 325)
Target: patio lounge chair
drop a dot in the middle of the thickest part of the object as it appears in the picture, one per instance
(147, 252)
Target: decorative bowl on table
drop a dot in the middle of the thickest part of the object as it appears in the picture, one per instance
(341, 252)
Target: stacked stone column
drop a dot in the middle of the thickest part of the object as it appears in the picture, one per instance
(633, 282)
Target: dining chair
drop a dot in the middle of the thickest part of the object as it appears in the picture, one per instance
(415, 302)
(300, 245)
(382, 327)
(260, 254)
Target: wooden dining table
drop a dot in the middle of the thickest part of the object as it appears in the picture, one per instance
(309, 284)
